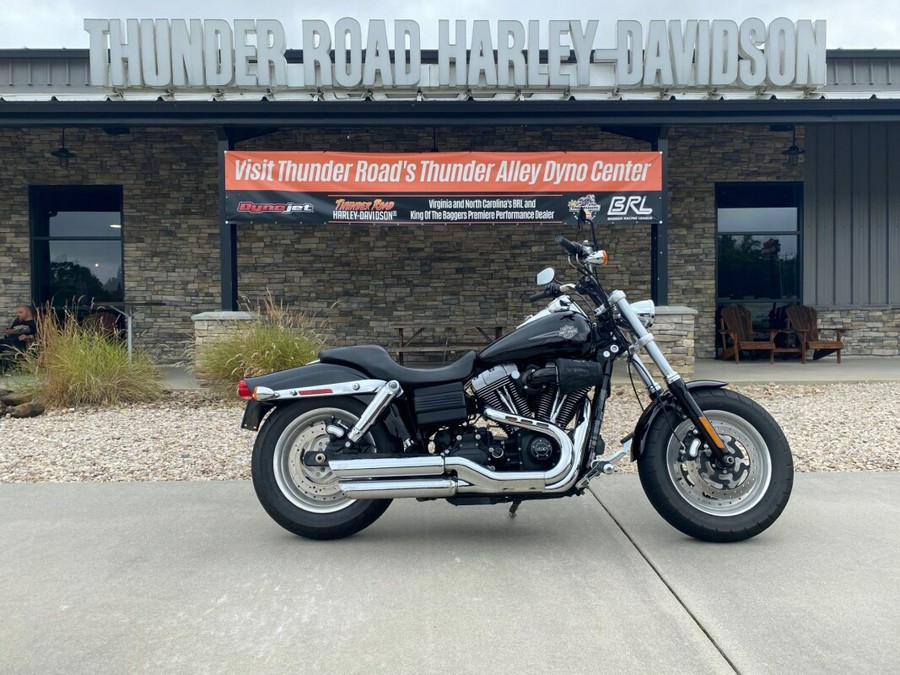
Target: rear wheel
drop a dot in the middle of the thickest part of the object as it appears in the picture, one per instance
(303, 499)
(711, 502)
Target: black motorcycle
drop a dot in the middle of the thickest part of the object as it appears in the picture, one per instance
(520, 420)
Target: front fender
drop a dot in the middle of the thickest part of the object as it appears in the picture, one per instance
(652, 410)
(303, 376)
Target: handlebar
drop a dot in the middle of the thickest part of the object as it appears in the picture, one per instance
(550, 291)
(571, 247)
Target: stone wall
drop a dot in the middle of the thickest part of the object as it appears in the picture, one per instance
(380, 275)
(701, 156)
(377, 275)
(871, 331)
(170, 220)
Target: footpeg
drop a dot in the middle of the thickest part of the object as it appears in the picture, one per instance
(604, 464)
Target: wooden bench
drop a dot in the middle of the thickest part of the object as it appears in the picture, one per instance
(431, 338)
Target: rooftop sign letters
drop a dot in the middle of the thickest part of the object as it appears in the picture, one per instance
(250, 54)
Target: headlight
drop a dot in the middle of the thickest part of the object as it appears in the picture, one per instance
(646, 311)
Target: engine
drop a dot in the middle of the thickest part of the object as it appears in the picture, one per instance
(503, 388)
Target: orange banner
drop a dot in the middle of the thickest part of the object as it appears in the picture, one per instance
(353, 173)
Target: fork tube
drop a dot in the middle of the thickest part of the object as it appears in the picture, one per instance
(652, 386)
(644, 337)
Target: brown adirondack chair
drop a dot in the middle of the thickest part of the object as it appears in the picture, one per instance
(737, 327)
(805, 322)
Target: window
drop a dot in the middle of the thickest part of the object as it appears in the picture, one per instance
(76, 244)
(758, 246)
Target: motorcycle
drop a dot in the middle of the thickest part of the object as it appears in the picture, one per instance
(518, 421)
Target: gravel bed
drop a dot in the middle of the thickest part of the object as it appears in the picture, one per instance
(194, 436)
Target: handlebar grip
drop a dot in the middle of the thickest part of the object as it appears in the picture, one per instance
(540, 295)
(570, 246)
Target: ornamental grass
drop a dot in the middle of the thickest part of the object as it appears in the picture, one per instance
(277, 338)
(77, 364)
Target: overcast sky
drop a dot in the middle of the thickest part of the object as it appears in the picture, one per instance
(861, 24)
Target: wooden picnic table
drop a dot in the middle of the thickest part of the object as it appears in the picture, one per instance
(435, 338)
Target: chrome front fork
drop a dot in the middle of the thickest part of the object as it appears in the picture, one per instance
(644, 340)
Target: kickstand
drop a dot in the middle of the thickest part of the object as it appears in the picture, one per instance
(514, 508)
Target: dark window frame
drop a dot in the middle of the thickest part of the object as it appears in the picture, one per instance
(38, 195)
(792, 196)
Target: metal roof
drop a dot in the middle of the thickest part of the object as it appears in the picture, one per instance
(51, 87)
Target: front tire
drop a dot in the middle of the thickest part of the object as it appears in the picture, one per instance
(703, 500)
(307, 500)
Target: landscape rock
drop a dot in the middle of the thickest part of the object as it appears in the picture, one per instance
(196, 436)
(30, 409)
(13, 399)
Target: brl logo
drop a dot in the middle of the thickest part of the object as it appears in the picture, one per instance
(622, 205)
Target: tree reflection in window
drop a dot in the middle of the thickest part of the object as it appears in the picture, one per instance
(77, 244)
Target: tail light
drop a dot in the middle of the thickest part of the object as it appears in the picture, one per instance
(243, 391)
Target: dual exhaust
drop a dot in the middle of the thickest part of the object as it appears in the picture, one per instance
(439, 476)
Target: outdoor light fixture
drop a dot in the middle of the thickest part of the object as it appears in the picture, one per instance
(62, 153)
(793, 153)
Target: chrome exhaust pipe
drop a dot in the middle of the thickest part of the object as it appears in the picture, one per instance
(432, 488)
(471, 478)
(368, 467)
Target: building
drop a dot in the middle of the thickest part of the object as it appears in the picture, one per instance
(778, 190)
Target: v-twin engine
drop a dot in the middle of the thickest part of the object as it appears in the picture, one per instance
(501, 388)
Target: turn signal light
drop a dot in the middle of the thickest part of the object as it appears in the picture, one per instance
(243, 391)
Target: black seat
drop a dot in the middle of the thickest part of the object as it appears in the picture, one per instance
(377, 362)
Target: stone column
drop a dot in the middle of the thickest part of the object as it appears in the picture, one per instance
(674, 330)
(213, 326)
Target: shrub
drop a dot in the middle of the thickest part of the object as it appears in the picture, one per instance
(277, 339)
(77, 365)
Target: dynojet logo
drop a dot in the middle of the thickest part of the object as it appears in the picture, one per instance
(213, 53)
(274, 207)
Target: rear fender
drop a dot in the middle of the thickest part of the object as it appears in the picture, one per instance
(652, 410)
(309, 375)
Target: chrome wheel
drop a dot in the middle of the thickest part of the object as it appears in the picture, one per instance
(710, 488)
(311, 488)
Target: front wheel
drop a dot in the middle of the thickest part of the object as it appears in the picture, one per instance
(307, 500)
(703, 499)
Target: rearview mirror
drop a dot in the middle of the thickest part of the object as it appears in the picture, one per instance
(545, 276)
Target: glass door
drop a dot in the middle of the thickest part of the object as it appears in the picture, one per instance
(758, 245)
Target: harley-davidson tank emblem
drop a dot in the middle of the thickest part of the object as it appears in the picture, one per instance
(568, 332)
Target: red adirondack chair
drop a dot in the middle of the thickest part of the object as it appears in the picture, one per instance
(805, 322)
(737, 334)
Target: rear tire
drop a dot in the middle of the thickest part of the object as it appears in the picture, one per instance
(704, 501)
(307, 500)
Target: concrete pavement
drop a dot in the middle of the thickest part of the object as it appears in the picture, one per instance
(819, 592)
(760, 371)
(194, 577)
(851, 369)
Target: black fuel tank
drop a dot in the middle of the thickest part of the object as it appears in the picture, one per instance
(561, 334)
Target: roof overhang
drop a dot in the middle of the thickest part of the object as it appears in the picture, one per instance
(263, 113)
